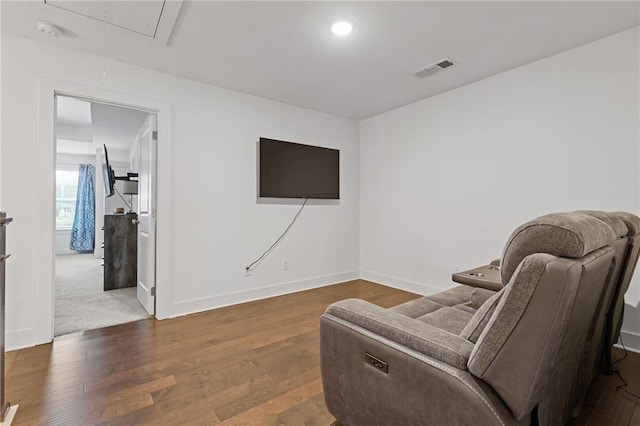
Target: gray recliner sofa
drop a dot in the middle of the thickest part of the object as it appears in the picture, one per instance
(476, 356)
(607, 320)
(615, 312)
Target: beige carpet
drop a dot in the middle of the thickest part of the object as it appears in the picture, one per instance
(81, 304)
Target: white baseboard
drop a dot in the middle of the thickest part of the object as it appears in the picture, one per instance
(19, 339)
(227, 299)
(9, 416)
(631, 341)
(400, 284)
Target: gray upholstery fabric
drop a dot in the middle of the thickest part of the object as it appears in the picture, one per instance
(612, 219)
(576, 308)
(417, 307)
(550, 333)
(417, 335)
(615, 312)
(571, 235)
(450, 319)
(512, 303)
(595, 345)
(632, 221)
(467, 307)
(473, 356)
(480, 295)
(454, 296)
(417, 390)
(479, 321)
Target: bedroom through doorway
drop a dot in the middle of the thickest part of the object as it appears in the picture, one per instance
(97, 213)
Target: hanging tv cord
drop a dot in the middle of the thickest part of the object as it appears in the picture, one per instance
(253, 265)
(129, 205)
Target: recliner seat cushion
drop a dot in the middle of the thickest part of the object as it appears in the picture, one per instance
(450, 310)
(450, 319)
(454, 296)
(417, 308)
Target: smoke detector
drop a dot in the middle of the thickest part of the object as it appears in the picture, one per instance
(434, 68)
(49, 28)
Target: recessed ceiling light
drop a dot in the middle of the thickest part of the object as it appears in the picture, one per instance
(341, 27)
(49, 28)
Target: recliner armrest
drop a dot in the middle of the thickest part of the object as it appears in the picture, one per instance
(487, 276)
(425, 338)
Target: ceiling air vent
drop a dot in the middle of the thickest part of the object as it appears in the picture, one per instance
(434, 68)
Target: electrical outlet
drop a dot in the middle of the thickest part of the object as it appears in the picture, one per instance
(285, 265)
(247, 271)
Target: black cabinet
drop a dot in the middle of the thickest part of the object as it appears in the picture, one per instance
(120, 251)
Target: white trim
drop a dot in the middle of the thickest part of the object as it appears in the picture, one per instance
(19, 339)
(45, 202)
(45, 195)
(631, 341)
(221, 300)
(167, 21)
(10, 415)
(67, 167)
(399, 283)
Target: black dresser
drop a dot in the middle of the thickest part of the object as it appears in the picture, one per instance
(120, 250)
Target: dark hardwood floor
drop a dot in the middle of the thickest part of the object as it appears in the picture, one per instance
(255, 363)
(605, 403)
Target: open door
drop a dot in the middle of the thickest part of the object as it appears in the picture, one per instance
(146, 288)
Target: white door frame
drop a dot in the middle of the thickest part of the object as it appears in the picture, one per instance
(45, 195)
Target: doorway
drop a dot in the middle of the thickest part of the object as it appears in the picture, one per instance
(44, 262)
(104, 216)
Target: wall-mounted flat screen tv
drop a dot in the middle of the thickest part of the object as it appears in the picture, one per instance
(108, 177)
(293, 170)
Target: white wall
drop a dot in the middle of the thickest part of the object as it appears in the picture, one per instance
(445, 180)
(216, 227)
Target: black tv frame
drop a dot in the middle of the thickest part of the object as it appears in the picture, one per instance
(262, 196)
(109, 174)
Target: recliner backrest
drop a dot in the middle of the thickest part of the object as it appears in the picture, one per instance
(562, 263)
(616, 310)
(595, 345)
(569, 235)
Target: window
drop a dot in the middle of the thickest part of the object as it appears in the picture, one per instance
(66, 191)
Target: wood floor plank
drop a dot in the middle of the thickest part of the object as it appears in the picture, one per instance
(635, 417)
(613, 409)
(254, 363)
(594, 396)
(8, 360)
(270, 409)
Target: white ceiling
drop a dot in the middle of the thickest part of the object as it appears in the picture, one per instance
(73, 112)
(139, 16)
(285, 51)
(82, 126)
(115, 127)
(151, 18)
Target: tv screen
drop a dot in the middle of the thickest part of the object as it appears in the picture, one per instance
(108, 177)
(293, 170)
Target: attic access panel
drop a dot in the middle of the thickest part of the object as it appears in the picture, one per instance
(151, 18)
